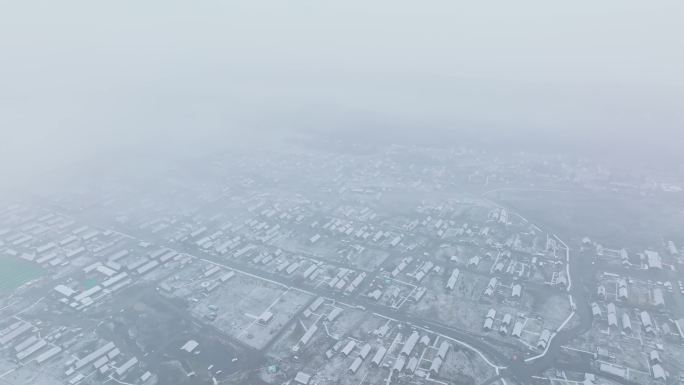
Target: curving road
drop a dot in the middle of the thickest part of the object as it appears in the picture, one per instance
(579, 292)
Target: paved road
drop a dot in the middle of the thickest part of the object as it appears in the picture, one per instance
(488, 346)
(518, 369)
(579, 265)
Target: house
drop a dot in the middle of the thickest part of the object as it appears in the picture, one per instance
(622, 293)
(613, 370)
(375, 294)
(679, 324)
(308, 334)
(491, 286)
(488, 324)
(658, 299)
(624, 256)
(562, 280)
(658, 372)
(653, 260)
(399, 364)
(190, 346)
(355, 365)
(410, 344)
(411, 366)
(65, 290)
(379, 355)
(265, 317)
(672, 248)
(443, 349)
(646, 322)
(516, 291)
(302, 378)
(424, 340)
(451, 284)
(626, 323)
(517, 329)
(365, 351)
(654, 357)
(435, 366)
(334, 314)
(544, 339)
(348, 348)
(419, 294)
(601, 292)
(612, 320)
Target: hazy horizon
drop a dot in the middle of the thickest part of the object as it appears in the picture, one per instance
(354, 192)
(81, 79)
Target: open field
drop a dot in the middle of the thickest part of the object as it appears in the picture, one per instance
(15, 272)
(622, 220)
(241, 301)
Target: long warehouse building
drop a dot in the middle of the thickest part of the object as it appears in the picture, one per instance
(23, 328)
(94, 355)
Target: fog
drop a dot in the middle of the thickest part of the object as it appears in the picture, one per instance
(313, 192)
(80, 79)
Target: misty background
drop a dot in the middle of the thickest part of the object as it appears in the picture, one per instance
(84, 80)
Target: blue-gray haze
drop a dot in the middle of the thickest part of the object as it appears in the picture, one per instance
(85, 78)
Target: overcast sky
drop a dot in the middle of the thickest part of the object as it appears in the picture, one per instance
(80, 77)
